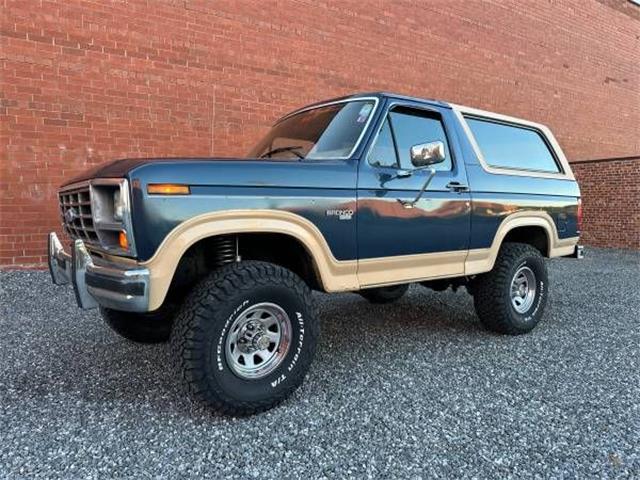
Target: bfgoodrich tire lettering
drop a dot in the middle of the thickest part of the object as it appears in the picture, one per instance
(492, 292)
(203, 325)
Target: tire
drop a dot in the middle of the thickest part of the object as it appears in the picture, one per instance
(498, 310)
(209, 329)
(384, 294)
(153, 327)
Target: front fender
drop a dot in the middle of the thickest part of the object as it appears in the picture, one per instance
(335, 275)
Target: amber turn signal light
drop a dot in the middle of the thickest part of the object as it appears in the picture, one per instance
(123, 240)
(168, 189)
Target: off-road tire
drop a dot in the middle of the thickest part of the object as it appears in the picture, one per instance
(384, 294)
(152, 327)
(492, 291)
(199, 336)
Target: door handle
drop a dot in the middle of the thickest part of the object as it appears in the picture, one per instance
(457, 187)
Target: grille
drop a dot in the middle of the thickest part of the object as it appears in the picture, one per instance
(75, 208)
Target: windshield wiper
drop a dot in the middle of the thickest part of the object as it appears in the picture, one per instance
(291, 149)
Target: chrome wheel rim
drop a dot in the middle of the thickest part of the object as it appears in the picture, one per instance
(258, 340)
(523, 289)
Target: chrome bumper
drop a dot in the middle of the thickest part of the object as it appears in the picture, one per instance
(579, 252)
(107, 284)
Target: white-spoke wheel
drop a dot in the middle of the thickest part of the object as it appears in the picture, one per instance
(258, 340)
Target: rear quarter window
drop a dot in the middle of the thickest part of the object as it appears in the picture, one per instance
(510, 146)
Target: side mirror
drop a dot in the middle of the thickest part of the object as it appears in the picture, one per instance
(425, 154)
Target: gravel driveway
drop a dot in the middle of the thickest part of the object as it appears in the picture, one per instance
(412, 390)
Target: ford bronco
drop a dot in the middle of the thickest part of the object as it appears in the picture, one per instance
(367, 193)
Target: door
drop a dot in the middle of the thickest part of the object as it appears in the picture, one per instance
(424, 240)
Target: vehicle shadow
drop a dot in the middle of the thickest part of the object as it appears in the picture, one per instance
(421, 311)
(349, 319)
(93, 364)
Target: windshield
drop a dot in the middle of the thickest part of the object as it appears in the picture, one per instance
(324, 132)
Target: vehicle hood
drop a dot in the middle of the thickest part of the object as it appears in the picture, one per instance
(228, 172)
(115, 169)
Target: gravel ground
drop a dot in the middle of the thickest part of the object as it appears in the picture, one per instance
(413, 390)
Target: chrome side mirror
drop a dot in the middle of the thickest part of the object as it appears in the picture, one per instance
(425, 154)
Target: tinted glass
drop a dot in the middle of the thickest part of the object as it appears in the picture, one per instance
(412, 127)
(507, 146)
(383, 153)
(324, 132)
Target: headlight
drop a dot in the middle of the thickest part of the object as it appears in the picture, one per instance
(112, 215)
(118, 205)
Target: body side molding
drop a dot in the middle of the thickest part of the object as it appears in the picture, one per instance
(336, 275)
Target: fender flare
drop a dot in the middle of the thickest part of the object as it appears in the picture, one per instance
(483, 259)
(334, 275)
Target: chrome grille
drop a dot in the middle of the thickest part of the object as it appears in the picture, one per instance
(77, 220)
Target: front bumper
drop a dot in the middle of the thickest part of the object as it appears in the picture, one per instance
(98, 283)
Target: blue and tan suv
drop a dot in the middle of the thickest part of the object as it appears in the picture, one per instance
(366, 193)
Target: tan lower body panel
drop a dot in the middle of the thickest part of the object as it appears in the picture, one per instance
(430, 266)
(410, 268)
(482, 260)
(336, 275)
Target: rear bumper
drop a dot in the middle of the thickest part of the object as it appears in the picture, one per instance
(108, 284)
(578, 252)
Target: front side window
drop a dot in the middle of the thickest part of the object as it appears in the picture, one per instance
(325, 132)
(383, 153)
(403, 128)
(510, 146)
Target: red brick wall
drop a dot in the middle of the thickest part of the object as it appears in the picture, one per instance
(84, 82)
(611, 202)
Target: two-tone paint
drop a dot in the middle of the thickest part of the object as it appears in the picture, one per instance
(454, 224)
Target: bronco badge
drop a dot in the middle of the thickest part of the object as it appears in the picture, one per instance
(342, 214)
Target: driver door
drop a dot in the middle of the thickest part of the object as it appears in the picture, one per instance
(429, 240)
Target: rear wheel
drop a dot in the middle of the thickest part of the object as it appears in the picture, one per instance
(384, 294)
(511, 298)
(152, 327)
(245, 337)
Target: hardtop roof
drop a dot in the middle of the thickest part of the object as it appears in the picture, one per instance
(427, 101)
(355, 96)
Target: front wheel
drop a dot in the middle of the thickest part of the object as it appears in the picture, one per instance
(245, 337)
(511, 298)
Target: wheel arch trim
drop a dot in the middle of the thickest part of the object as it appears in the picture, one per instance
(483, 259)
(333, 274)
